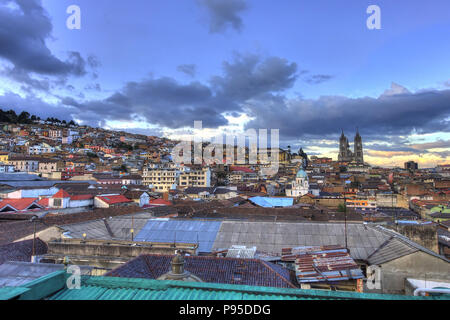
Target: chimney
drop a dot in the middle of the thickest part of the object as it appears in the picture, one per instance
(166, 196)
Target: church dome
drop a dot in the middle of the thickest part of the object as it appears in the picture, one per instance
(301, 174)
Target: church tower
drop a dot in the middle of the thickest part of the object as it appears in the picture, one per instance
(359, 155)
(344, 149)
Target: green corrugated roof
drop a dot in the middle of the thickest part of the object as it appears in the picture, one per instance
(53, 287)
(8, 293)
(109, 288)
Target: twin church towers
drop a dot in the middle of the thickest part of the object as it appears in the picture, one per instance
(346, 155)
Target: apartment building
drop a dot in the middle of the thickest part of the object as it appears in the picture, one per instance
(195, 177)
(166, 177)
(50, 165)
(161, 179)
(25, 164)
(40, 149)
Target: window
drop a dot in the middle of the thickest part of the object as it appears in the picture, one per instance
(57, 202)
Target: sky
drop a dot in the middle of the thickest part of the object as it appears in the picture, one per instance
(307, 68)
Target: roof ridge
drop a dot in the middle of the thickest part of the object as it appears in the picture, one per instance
(411, 243)
(277, 273)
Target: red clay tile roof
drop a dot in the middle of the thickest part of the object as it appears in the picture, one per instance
(44, 202)
(82, 197)
(160, 202)
(18, 204)
(61, 194)
(242, 169)
(114, 199)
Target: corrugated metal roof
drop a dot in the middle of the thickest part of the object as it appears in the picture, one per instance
(322, 264)
(202, 233)
(272, 237)
(7, 293)
(106, 288)
(269, 202)
(392, 249)
(16, 274)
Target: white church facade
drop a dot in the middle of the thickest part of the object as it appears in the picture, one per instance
(300, 186)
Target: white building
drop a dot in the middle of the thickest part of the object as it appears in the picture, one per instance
(35, 150)
(6, 168)
(300, 186)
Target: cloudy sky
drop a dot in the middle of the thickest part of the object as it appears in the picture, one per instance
(307, 68)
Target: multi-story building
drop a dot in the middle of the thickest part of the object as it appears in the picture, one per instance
(40, 149)
(4, 156)
(6, 168)
(25, 164)
(50, 165)
(195, 177)
(161, 179)
(411, 165)
(55, 134)
(166, 177)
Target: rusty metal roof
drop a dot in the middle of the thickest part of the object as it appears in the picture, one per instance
(322, 264)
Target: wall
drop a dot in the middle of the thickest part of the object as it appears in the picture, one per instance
(426, 236)
(419, 265)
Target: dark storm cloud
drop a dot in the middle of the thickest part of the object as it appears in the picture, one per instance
(188, 69)
(168, 103)
(34, 106)
(23, 77)
(249, 76)
(223, 14)
(24, 29)
(390, 115)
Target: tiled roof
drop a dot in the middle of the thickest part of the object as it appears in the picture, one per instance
(210, 269)
(242, 169)
(44, 202)
(160, 202)
(12, 231)
(82, 197)
(21, 251)
(114, 199)
(61, 194)
(19, 204)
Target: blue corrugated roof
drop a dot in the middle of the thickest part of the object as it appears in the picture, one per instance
(202, 232)
(268, 202)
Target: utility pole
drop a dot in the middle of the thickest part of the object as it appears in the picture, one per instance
(132, 227)
(33, 252)
(345, 218)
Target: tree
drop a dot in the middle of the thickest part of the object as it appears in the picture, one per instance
(24, 117)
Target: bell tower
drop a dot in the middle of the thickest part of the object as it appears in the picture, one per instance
(359, 154)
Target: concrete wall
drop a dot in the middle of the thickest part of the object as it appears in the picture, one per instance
(81, 203)
(426, 236)
(419, 265)
(115, 249)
